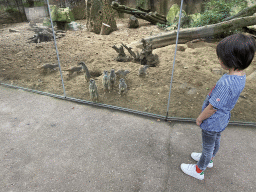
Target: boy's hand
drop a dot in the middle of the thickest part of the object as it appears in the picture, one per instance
(198, 122)
(206, 113)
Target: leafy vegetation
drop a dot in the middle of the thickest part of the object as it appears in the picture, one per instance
(217, 10)
(141, 3)
(214, 11)
(36, 4)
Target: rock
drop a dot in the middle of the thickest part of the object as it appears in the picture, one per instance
(190, 45)
(32, 23)
(181, 48)
(39, 46)
(13, 31)
(243, 96)
(183, 86)
(217, 71)
(192, 91)
(133, 22)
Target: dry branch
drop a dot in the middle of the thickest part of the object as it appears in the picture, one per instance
(188, 34)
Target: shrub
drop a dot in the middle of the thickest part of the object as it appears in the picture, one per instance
(217, 10)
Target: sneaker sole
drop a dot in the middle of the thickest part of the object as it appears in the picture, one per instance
(201, 178)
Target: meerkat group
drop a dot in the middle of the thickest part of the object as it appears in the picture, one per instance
(108, 79)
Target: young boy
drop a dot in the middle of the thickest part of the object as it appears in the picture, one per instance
(235, 54)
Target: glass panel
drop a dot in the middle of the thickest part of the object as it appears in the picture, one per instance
(198, 69)
(27, 58)
(147, 93)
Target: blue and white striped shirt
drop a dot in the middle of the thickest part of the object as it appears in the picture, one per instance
(223, 98)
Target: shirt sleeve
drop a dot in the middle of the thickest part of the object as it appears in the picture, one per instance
(220, 95)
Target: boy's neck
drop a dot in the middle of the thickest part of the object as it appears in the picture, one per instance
(238, 73)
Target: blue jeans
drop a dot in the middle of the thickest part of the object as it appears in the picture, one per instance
(211, 145)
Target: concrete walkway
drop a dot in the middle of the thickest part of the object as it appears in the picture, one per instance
(54, 145)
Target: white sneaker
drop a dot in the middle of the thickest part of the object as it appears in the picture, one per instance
(196, 157)
(190, 169)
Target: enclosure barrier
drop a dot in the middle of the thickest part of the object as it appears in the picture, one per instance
(56, 48)
(122, 109)
(190, 120)
(174, 59)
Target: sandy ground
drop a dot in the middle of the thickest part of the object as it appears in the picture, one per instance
(193, 76)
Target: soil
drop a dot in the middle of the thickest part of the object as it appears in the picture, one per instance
(193, 76)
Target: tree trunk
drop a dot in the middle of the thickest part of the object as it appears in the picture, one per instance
(189, 34)
(97, 13)
(152, 5)
(105, 29)
(87, 12)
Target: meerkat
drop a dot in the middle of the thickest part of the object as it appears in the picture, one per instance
(105, 81)
(71, 70)
(48, 67)
(112, 78)
(93, 90)
(86, 71)
(122, 87)
(143, 70)
(122, 73)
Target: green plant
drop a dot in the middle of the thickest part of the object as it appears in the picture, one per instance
(217, 10)
(15, 14)
(2, 8)
(12, 11)
(141, 3)
(161, 26)
(36, 4)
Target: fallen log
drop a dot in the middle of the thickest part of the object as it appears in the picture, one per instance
(144, 10)
(153, 18)
(188, 34)
(154, 15)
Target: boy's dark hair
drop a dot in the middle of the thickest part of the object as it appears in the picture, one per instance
(236, 51)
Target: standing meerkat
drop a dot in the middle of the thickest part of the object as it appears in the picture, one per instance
(86, 71)
(105, 81)
(143, 70)
(122, 87)
(93, 90)
(112, 78)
